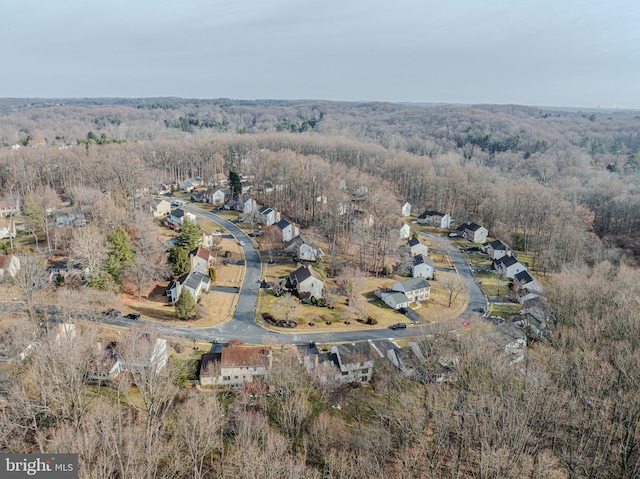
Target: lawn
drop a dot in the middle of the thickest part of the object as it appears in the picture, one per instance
(504, 310)
(492, 285)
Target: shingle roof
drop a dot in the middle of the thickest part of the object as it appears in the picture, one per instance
(245, 356)
(506, 261)
(420, 259)
(524, 277)
(430, 213)
(192, 280)
(413, 241)
(411, 285)
(498, 245)
(282, 224)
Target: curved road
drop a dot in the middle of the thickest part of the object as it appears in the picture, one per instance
(243, 325)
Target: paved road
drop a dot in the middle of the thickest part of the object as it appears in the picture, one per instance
(477, 299)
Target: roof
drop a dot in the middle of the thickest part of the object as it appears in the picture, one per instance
(159, 202)
(430, 213)
(397, 296)
(413, 242)
(245, 356)
(412, 284)
(265, 210)
(301, 274)
(524, 277)
(178, 213)
(506, 261)
(356, 352)
(498, 245)
(420, 259)
(468, 226)
(282, 224)
(200, 252)
(191, 280)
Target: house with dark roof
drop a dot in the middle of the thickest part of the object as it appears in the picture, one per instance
(268, 216)
(178, 216)
(195, 283)
(524, 279)
(305, 281)
(286, 229)
(416, 247)
(422, 267)
(236, 366)
(508, 266)
(435, 218)
(496, 249)
(355, 361)
(473, 232)
(416, 289)
(72, 216)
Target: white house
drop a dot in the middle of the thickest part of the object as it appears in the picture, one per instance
(306, 281)
(355, 361)
(473, 232)
(435, 218)
(191, 184)
(416, 247)
(422, 267)
(178, 216)
(215, 196)
(195, 283)
(308, 252)
(416, 289)
(7, 228)
(405, 231)
(496, 249)
(524, 279)
(508, 266)
(287, 229)
(393, 299)
(268, 216)
(406, 209)
(106, 364)
(201, 260)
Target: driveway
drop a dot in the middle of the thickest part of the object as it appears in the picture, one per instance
(477, 299)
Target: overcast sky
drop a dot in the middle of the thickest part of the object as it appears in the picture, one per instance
(534, 52)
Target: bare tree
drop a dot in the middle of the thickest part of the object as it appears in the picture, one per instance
(31, 281)
(452, 288)
(89, 245)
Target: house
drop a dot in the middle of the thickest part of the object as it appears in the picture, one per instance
(72, 216)
(165, 187)
(435, 218)
(473, 232)
(214, 196)
(393, 299)
(405, 231)
(161, 208)
(355, 361)
(416, 289)
(306, 282)
(7, 228)
(308, 252)
(9, 208)
(268, 216)
(408, 360)
(66, 270)
(106, 364)
(178, 216)
(496, 249)
(422, 267)
(406, 209)
(287, 229)
(201, 260)
(152, 354)
(508, 266)
(195, 283)
(416, 247)
(191, 184)
(243, 203)
(524, 279)
(220, 179)
(235, 366)
(9, 266)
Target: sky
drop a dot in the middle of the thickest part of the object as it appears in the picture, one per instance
(533, 52)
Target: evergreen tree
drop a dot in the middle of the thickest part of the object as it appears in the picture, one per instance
(189, 236)
(235, 183)
(186, 307)
(120, 255)
(180, 260)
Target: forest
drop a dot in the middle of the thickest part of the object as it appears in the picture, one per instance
(560, 185)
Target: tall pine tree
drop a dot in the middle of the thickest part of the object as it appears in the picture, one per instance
(120, 255)
(186, 307)
(189, 236)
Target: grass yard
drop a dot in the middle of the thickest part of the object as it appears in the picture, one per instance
(504, 310)
(492, 285)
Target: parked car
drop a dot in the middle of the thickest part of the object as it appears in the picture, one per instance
(133, 316)
(241, 243)
(399, 326)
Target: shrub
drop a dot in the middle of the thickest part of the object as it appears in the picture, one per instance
(371, 320)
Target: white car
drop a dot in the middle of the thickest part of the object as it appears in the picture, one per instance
(241, 243)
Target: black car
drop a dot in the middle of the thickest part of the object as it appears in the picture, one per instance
(113, 312)
(399, 326)
(133, 316)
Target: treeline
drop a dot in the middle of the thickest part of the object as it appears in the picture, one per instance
(570, 409)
